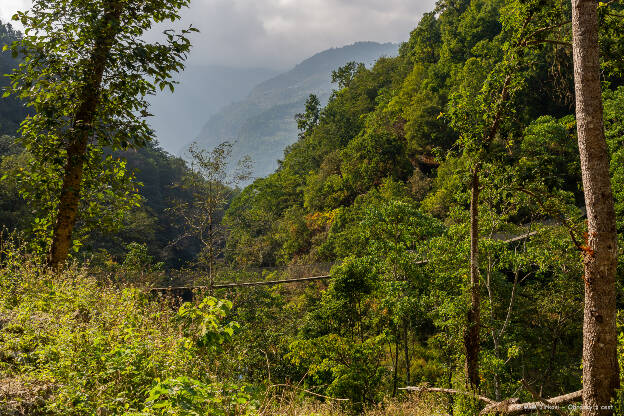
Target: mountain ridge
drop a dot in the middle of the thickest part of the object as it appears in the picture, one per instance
(262, 125)
(202, 91)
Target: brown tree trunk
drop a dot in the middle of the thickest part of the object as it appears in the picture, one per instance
(600, 366)
(211, 250)
(395, 376)
(82, 128)
(471, 335)
(406, 352)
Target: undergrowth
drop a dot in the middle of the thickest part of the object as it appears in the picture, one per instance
(71, 345)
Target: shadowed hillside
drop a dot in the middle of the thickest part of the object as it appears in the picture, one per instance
(263, 124)
(203, 90)
(11, 111)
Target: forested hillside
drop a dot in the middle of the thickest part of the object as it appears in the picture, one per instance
(436, 240)
(262, 125)
(11, 112)
(379, 182)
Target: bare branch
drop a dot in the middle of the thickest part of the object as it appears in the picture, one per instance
(544, 29)
(509, 407)
(536, 396)
(510, 306)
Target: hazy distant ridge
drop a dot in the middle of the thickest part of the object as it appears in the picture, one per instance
(203, 90)
(263, 123)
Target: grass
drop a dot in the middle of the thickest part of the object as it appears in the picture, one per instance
(71, 345)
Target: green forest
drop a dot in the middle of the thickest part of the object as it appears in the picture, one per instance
(450, 223)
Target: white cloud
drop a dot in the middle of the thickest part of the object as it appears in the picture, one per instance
(280, 33)
(294, 29)
(9, 7)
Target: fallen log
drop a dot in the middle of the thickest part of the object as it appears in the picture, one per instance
(537, 396)
(510, 406)
(524, 408)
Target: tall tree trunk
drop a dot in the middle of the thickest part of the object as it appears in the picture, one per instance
(600, 366)
(395, 376)
(451, 402)
(406, 352)
(82, 128)
(471, 335)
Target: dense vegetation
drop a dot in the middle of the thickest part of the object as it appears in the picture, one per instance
(158, 174)
(378, 185)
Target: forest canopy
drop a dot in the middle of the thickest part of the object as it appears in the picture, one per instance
(437, 200)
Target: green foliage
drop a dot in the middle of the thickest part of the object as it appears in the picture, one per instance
(106, 349)
(184, 396)
(309, 119)
(345, 74)
(377, 185)
(14, 212)
(152, 223)
(12, 112)
(51, 75)
(202, 322)
(619, 400)
(614, 132)
(51, 79)
(138, 265)
(353, 368)
(109, 193)
(548, 153)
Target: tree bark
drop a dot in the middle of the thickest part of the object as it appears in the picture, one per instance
(471, 334)
(395, 376)
(406, 352)
(600, 366)
(78, 138)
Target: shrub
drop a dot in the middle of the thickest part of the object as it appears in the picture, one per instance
(104, 350)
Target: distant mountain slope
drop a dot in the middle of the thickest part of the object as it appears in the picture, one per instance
(263, 124)
(202, 91)
(12, 112)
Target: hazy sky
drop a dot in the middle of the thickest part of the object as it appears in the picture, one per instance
(280, 33)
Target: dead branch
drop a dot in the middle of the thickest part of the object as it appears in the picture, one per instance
(508, 406)
(537, 396)
(512, 407)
